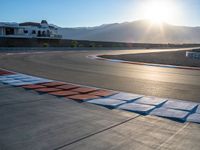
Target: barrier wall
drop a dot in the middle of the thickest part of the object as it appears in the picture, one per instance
(40, 42)
(193, 55)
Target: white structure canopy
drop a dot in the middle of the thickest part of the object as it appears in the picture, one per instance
(29, 30)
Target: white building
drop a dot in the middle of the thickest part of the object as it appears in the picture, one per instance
(29, 30)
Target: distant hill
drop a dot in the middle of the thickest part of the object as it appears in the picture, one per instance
(137, 31)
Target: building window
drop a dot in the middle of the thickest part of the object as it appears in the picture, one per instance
(39, 33)
(25, 31)
(48, 33)
(10, 31)
(43, 33)
(33, 32)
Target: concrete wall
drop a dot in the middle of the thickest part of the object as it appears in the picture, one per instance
(42, 42)
(193, 55)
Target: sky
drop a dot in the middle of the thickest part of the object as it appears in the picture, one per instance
(78, 13)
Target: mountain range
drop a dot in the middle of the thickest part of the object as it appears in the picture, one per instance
(142, 31)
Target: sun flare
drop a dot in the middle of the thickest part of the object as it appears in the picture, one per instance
(158, 11)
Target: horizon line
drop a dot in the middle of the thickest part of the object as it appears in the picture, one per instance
(98, 25)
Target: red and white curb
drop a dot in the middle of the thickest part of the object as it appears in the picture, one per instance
(178, 110)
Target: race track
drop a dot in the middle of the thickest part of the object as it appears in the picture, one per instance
(76, 67)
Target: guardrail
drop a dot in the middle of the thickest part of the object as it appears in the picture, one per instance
(193, 55)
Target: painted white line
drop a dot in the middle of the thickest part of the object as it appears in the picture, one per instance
(98, 57)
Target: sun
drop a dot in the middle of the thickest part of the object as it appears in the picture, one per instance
(158, 11)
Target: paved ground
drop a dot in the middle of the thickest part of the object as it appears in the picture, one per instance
(177, 58)
(75, 67)
(32, 121)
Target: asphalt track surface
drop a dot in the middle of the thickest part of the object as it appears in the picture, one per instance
(76, 67)
(44, 122)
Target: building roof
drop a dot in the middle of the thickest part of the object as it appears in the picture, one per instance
(30, 24)
(35, 24)
(8, 24)
(44, 22)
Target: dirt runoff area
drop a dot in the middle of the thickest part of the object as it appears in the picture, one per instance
(177, 58)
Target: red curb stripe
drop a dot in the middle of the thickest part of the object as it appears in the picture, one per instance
(5, 72)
